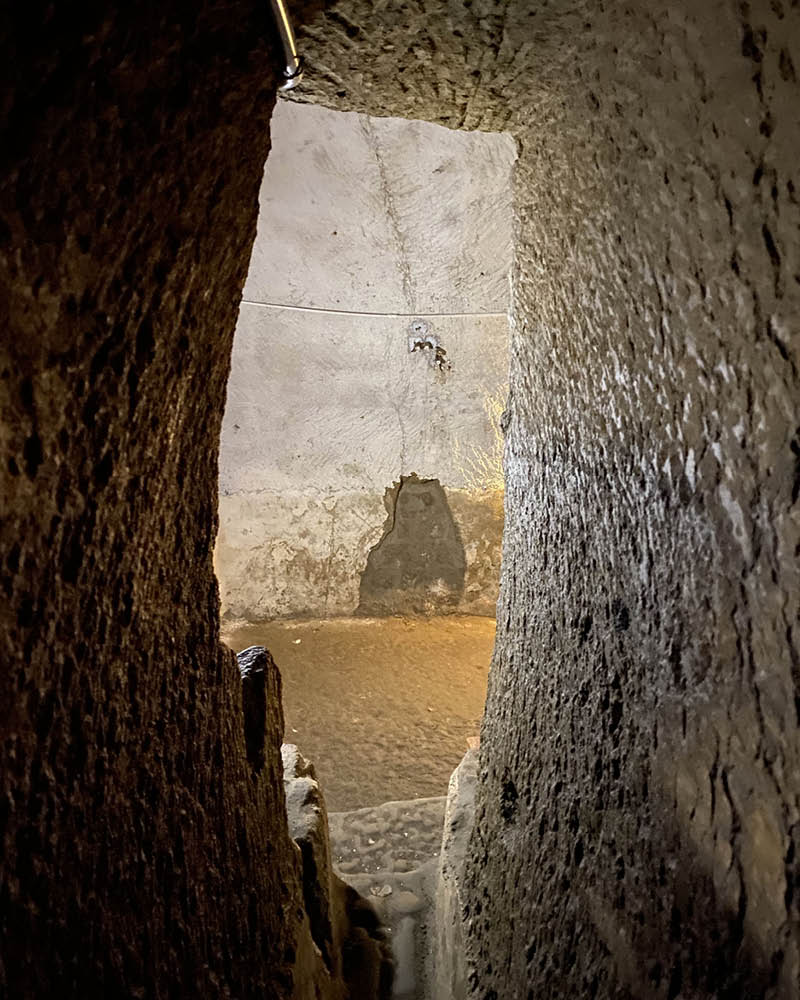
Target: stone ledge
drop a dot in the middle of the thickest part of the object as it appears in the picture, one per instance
(447, 957)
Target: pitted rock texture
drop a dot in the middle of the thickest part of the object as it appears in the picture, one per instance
(639, 796)
(142, 855)
(641, 838)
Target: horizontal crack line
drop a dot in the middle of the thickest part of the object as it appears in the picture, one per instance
(377, 315)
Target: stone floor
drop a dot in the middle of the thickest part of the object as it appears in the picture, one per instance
(390, 855)
(395, 837)
(385, 708)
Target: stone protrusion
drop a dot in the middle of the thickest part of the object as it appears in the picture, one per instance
(448, 960)
(308, 827)
(343, 925)
(261, 701)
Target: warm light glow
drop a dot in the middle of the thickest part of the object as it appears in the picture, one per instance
(482, 468)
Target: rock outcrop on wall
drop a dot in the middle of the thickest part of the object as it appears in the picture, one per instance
(638, 806)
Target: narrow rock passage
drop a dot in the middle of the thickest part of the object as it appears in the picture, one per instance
(390, 855)
(383, 707)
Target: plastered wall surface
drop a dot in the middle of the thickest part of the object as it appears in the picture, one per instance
(382, 215)
(639, 795)
(387, 232)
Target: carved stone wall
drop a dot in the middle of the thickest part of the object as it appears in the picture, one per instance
(142, 853)
(639, 794)
(638, 804)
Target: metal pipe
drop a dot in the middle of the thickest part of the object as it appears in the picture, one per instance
(293, 73)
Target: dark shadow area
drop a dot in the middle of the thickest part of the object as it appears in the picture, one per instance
(418, 567)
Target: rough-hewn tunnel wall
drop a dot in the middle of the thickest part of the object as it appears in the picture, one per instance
(639, 806)
(639, 821)
(141, 856)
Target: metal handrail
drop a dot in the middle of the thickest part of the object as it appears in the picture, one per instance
(293, 73)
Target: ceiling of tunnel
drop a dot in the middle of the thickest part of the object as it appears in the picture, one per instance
(472, 65)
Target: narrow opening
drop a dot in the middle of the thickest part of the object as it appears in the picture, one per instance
(361, 483)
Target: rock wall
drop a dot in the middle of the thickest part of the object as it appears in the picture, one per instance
(638, 800)
(447, 966)
(143, 853)
(642, 834)
(639, 795)
(375, 236)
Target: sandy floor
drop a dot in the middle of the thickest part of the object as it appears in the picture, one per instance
(383, 707)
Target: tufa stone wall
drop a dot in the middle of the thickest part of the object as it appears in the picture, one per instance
(143, 853)
(638, 797)
(638, 805)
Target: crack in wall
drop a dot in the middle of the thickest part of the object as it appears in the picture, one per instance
(403, 265)
(331, 549)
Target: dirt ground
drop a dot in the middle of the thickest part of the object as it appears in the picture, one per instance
(383, 707)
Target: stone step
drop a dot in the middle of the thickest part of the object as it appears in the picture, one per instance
(393, 837)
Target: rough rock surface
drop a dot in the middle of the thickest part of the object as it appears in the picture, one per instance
(308, 828)
(448, 965)
(396, 836)
(261, 702)
(142, 853)
(638, 809)
(351, 942)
